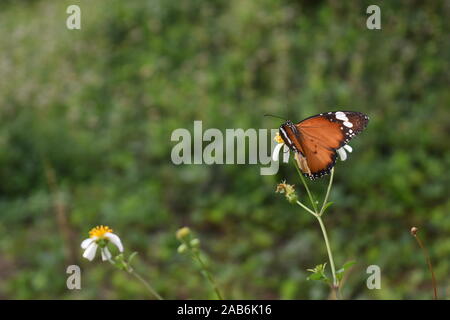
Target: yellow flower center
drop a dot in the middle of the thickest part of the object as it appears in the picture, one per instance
(99, 231)
(278, 138)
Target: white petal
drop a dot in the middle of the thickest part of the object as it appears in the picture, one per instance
(87, 242)
(89, 253)
(286, 154)
(106, 255)
(342, 154)
(348, 148)
(115, 240)
(276, 151)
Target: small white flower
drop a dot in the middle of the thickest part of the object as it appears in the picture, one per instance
(342, 152)
(106, 255)
(90, 250)
(98, 237)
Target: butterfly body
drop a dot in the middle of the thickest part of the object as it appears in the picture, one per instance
(316, 139)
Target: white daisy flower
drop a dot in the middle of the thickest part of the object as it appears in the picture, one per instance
(342, 152)
(99, 237)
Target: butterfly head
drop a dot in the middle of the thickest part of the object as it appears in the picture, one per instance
(287, 126)
(289, 132)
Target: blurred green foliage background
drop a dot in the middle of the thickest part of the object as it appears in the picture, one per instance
(86, 118)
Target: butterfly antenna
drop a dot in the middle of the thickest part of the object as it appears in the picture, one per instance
(271, 115)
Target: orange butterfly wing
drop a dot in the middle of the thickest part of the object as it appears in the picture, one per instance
(320, 136)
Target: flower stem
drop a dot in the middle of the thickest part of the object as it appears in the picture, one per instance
(318, 214)
(306, 208)
(146, 284)
(311, 198)
(330, 255)
(325, 200)
(430, 266)
(131, 271)
(207, 274)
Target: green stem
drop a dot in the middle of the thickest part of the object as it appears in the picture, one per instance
(325, 200)
(146, 284)
(330, 255)
(318, 214)
(311, 198)
(306, 208)
(208, 274)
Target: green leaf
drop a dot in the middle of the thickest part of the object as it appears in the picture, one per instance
(318, 273)
(131, 257)
(348, 264)
(318, 268)
(340, 273)
(119, 261)
(325, 207)
(316, 276)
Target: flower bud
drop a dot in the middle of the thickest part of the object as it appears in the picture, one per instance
(183, 233)
(195, 243)
(182, 248)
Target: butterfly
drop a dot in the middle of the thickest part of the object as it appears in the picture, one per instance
(316, 139)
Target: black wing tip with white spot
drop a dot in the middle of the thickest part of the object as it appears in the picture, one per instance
(360, 122)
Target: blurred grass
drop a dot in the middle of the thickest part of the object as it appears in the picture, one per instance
(95, 109)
